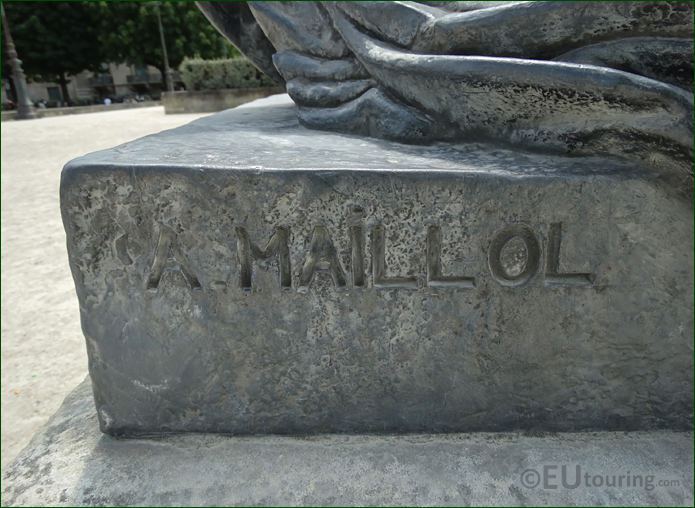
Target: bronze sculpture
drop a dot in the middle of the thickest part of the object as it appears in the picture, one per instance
(579, 78)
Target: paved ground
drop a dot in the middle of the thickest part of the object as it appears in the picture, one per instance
(71, 463)
(43, 354)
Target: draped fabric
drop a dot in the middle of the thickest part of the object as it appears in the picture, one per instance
(578, 78)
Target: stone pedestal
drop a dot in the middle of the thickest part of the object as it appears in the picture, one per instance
(243, 275)
(71, 463)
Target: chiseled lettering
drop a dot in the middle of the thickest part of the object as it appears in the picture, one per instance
(357, 255)
(248, 252)
(434, 264)
(379, 264)
(553, 277)
(533, 254)
(168, 253)
(322, 257)
(510, 265)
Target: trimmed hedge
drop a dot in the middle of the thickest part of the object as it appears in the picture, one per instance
(199, 74)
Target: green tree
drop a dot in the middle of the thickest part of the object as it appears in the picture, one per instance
(56, 39)
(130, 33)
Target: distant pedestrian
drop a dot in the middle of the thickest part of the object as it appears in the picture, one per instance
(107, 101)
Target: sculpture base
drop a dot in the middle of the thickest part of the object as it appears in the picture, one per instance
(242, 274)
(71, 463)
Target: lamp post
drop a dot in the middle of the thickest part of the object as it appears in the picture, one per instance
(25, 109)
(168, 77)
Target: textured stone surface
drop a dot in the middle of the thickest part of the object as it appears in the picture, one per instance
(406, 299)
(71, 463)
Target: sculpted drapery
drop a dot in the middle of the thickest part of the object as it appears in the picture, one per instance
(578, 78)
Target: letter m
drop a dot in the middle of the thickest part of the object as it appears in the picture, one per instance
(248, 252)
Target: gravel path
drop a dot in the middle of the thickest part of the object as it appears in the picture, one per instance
(43, 353)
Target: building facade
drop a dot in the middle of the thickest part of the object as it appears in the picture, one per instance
(117, 82)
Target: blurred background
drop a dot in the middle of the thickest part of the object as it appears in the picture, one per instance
(105, 53)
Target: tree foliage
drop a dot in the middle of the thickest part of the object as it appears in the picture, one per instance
(199, 74)
(56, 39)
(130, 33)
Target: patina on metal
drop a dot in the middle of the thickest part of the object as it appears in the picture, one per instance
(244, 274)
(525, 262)
(578, 78)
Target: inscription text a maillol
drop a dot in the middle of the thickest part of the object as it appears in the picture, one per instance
(514, 256)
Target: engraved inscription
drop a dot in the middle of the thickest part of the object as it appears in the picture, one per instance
(513, 259)
(121, 248)
(322, 257)
(504, 272)
(357, 246)
(380, 280)
(434, 264)
(247, 252)
(357, 255)
(553, 277)
(169, 254)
